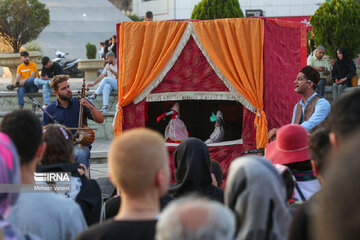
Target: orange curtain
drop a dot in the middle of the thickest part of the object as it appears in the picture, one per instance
(144, 50)
(236, 48)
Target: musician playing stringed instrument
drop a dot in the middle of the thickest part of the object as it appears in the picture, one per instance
(66, 111)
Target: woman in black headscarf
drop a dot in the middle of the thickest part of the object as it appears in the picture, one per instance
(192, 164)
(106, 46)
(344, 69)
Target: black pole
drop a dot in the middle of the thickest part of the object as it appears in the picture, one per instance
(37, 104)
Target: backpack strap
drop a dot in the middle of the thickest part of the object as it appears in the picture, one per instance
(299, 191)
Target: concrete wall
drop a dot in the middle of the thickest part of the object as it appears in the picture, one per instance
(182, 9)
(278, 8)
(73, 23)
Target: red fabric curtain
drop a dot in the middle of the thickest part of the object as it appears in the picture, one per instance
(283, 57)
(196, 76)
(134, 115)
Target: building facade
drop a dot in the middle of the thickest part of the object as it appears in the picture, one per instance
(182, 9)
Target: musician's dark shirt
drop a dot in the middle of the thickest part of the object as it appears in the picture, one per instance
(66, 116)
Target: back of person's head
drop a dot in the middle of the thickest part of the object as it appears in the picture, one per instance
(193, 218)
(319, 148)
(56, 80)
(136, 158)
(9, 174)
(300, 166)
(59, 145)
(344, 115)
(217, 171)
(24, 129)
(256, 194)
(192, 164)
(45, 60)
(149, 15)
(337, 216)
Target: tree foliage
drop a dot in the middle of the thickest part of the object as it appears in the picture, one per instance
(32, 46)
(135, 18)
(90, 51)
(214, 9)
(336, 24)
(22, 21)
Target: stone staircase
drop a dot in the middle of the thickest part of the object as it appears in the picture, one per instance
(103, 132)
(328, 92)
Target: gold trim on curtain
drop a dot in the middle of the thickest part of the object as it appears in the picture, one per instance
(144, 50)
(236, 48)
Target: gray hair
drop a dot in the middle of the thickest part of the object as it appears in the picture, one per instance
(321, 47)
(194, 218)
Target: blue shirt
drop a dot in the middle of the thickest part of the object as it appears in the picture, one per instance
(69, 116)
(322, 110)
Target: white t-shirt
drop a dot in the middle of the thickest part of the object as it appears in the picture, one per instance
(108, 73)
(308, 188)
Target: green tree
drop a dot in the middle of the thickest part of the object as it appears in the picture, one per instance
(214, 9)
(90, 51)
(22, 21)
(135, 18)
(336, 24)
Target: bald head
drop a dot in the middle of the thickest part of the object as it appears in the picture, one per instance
(135, 158)
(195, 219)
(192, 215)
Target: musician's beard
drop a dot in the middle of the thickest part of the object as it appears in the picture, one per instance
(65, 97)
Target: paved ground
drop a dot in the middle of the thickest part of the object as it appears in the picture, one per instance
(98, 170)
(98, 167)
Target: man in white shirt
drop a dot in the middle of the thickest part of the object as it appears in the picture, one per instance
(108, 80)
(322, 65)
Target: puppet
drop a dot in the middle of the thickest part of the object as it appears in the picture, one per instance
(176, 130)
(219, 132)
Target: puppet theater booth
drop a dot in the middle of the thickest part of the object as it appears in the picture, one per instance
(243, 67)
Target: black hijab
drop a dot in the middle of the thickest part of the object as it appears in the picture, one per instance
(192, 164)
(344, 68)
(344, 53)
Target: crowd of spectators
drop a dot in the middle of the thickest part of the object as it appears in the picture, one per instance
(109, 45)
(304, 187)
(260, 199)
